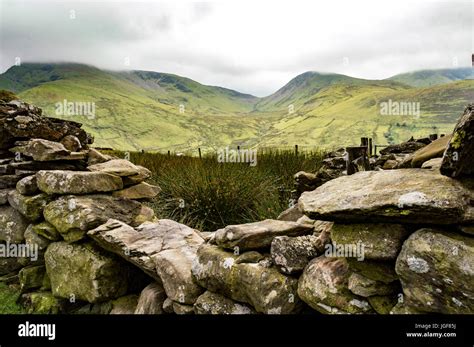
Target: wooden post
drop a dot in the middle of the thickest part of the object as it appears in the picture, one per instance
(370, 147)
(364, 142)
(357, 159)
(169, 153)
(199, 149)
(296, 150)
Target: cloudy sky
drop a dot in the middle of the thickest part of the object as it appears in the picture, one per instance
(253, 46)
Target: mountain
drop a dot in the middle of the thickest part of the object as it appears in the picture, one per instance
(426, 78)
(157, 111)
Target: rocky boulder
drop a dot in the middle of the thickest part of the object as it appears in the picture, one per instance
(141, 190)
(119, 167)
(73, 216)
(29, 206)
(377, 241)
(151, 299)
(77, 182)
(164, 250)
(259, 234)
(458, 159)
(4, 196)
(436, 269)
(85, 272)
(212, 303)
(27, 185)
(366, 287)
(12, 225)
(432, 164)
(404, 196)
(265, 288)
(324, 286)
(404, 147)
(292, 254)
(44, 150)
(292, 214)
(434, 150)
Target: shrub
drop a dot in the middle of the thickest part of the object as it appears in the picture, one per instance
(208, 195)
(6, 95)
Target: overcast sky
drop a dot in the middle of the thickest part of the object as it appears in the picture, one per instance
(253, 46)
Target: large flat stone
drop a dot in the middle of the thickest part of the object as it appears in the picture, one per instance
(259, 234)
(398, 196)
(45, 150)
(165, 250)
(73, 216)
(119, 167)
(77, 182)
(434, 150)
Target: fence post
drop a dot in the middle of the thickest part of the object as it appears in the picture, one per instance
(169, 153)
(357, 159)
(199, 149)
(370, 147)
(296, 150)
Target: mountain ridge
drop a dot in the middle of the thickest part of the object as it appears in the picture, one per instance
(158, 111)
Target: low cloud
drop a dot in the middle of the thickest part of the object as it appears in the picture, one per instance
(251, 46)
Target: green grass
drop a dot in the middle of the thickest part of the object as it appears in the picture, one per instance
(209, 195)
(140, 110)
(426, 78)
(8, 300)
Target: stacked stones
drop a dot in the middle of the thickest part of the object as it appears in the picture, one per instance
(388, 241)
(416, 229)
(53, 189)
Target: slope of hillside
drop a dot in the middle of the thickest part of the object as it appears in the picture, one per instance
(426, 78)
(141, 110)
(302, 89)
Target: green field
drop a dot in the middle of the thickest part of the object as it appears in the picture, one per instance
(140, 110)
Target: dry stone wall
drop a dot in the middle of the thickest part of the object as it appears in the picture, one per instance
(76, 236)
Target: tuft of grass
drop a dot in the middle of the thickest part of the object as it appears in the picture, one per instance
(8, 299)
(6, 95)
(209, 195)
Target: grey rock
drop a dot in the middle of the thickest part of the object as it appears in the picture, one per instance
(259, 234)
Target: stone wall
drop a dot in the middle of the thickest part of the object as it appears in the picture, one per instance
(386, 241)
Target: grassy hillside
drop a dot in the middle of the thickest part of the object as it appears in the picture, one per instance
(141, 110)
(426, 78)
